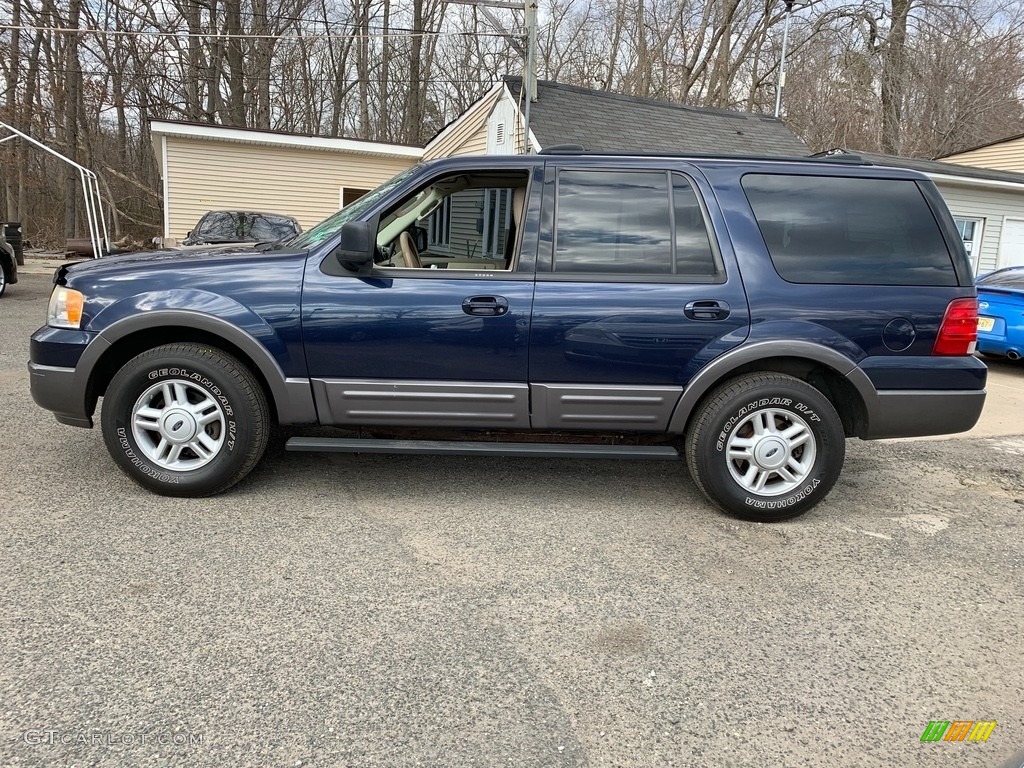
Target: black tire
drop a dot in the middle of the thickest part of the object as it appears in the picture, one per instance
(185, 420)
(3, 278)
(785, 411)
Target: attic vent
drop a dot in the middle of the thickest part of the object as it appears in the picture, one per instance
(499, 134)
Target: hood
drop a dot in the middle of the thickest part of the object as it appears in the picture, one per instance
(170, 258)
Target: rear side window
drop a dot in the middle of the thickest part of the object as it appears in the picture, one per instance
(849, 231)
(631, 223)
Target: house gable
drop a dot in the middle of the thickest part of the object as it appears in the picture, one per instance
(466, 134)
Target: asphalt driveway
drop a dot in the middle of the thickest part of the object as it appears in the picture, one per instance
(374, 610)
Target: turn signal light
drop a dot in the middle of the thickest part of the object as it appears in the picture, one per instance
(65, 309)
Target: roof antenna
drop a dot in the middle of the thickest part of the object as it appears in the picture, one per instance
(782, 64)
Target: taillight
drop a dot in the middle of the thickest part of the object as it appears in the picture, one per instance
(959, 330)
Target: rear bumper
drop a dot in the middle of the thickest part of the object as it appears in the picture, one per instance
(909, 413)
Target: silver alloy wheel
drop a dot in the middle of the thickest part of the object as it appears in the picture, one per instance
(771, 452)
(178, 426)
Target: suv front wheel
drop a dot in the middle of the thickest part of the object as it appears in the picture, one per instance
(185, 420)
(765, 446)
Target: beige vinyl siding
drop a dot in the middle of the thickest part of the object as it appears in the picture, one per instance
(464, 131)
(205, 175)
(991, 206)
(1005, 156)
(467, 210)
(473, 144)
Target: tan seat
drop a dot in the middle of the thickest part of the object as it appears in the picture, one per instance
(410, 255)
(518, 205)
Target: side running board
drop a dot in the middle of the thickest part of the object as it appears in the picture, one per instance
(468, 448)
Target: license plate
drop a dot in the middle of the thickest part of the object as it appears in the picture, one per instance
(986, 323)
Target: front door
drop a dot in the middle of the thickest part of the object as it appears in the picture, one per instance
(437, 333)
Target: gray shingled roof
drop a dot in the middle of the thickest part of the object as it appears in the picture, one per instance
(931, 166)
(611, 122)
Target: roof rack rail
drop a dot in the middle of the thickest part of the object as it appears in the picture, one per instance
(564, 149)
(843, 157)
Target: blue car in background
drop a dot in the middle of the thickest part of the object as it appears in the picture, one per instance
(1001, 313)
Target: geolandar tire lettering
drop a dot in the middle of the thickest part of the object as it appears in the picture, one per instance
(185, 420)
(765, 446)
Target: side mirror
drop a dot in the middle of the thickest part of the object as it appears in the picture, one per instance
(356, 248)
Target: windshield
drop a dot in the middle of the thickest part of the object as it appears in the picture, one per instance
(330, 226)
(242, 227)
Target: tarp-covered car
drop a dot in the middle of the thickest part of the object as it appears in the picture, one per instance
(233, 227)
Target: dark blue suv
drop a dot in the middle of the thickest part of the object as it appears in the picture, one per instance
(746, 314)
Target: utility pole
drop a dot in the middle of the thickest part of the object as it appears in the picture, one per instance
(782, 64)
(528, 52)
(530, 73)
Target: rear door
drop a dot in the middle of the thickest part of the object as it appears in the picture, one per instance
(634, 295)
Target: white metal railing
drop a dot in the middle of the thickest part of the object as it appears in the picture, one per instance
(98, 235)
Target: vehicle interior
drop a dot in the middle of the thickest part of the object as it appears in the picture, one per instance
(459, 221)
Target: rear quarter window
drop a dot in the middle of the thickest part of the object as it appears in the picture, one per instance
(849, 231)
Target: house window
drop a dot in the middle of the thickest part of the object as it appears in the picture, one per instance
(970, 231)
(497, 221)
(439, 226)
(348, 195)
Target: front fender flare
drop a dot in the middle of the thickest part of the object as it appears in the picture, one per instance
(293, 398)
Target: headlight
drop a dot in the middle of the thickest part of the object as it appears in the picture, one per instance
(65, 310)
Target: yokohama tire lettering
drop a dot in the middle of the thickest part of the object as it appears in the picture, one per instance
(789, 501)
(163, 477)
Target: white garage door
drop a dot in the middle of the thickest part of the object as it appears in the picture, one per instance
(1011, 244)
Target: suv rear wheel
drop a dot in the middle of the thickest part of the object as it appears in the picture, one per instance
(185, 420)
(765, 447)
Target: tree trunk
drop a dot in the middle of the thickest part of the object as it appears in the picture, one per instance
(894, 78)
(73, 68)
(11, 152)
(413, 123)
(235, 58)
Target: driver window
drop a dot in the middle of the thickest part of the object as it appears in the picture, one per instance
(462, 221)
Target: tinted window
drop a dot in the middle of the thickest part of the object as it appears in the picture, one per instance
(693, 248)
(822, 229)
(1007, 278)
(613, 222)
(621, 223)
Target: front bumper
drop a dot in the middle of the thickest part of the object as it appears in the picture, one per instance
(57, 390)
(56, 380)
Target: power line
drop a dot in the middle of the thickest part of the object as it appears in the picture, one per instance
(244, 36)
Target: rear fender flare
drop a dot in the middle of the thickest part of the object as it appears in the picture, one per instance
(721, 368)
